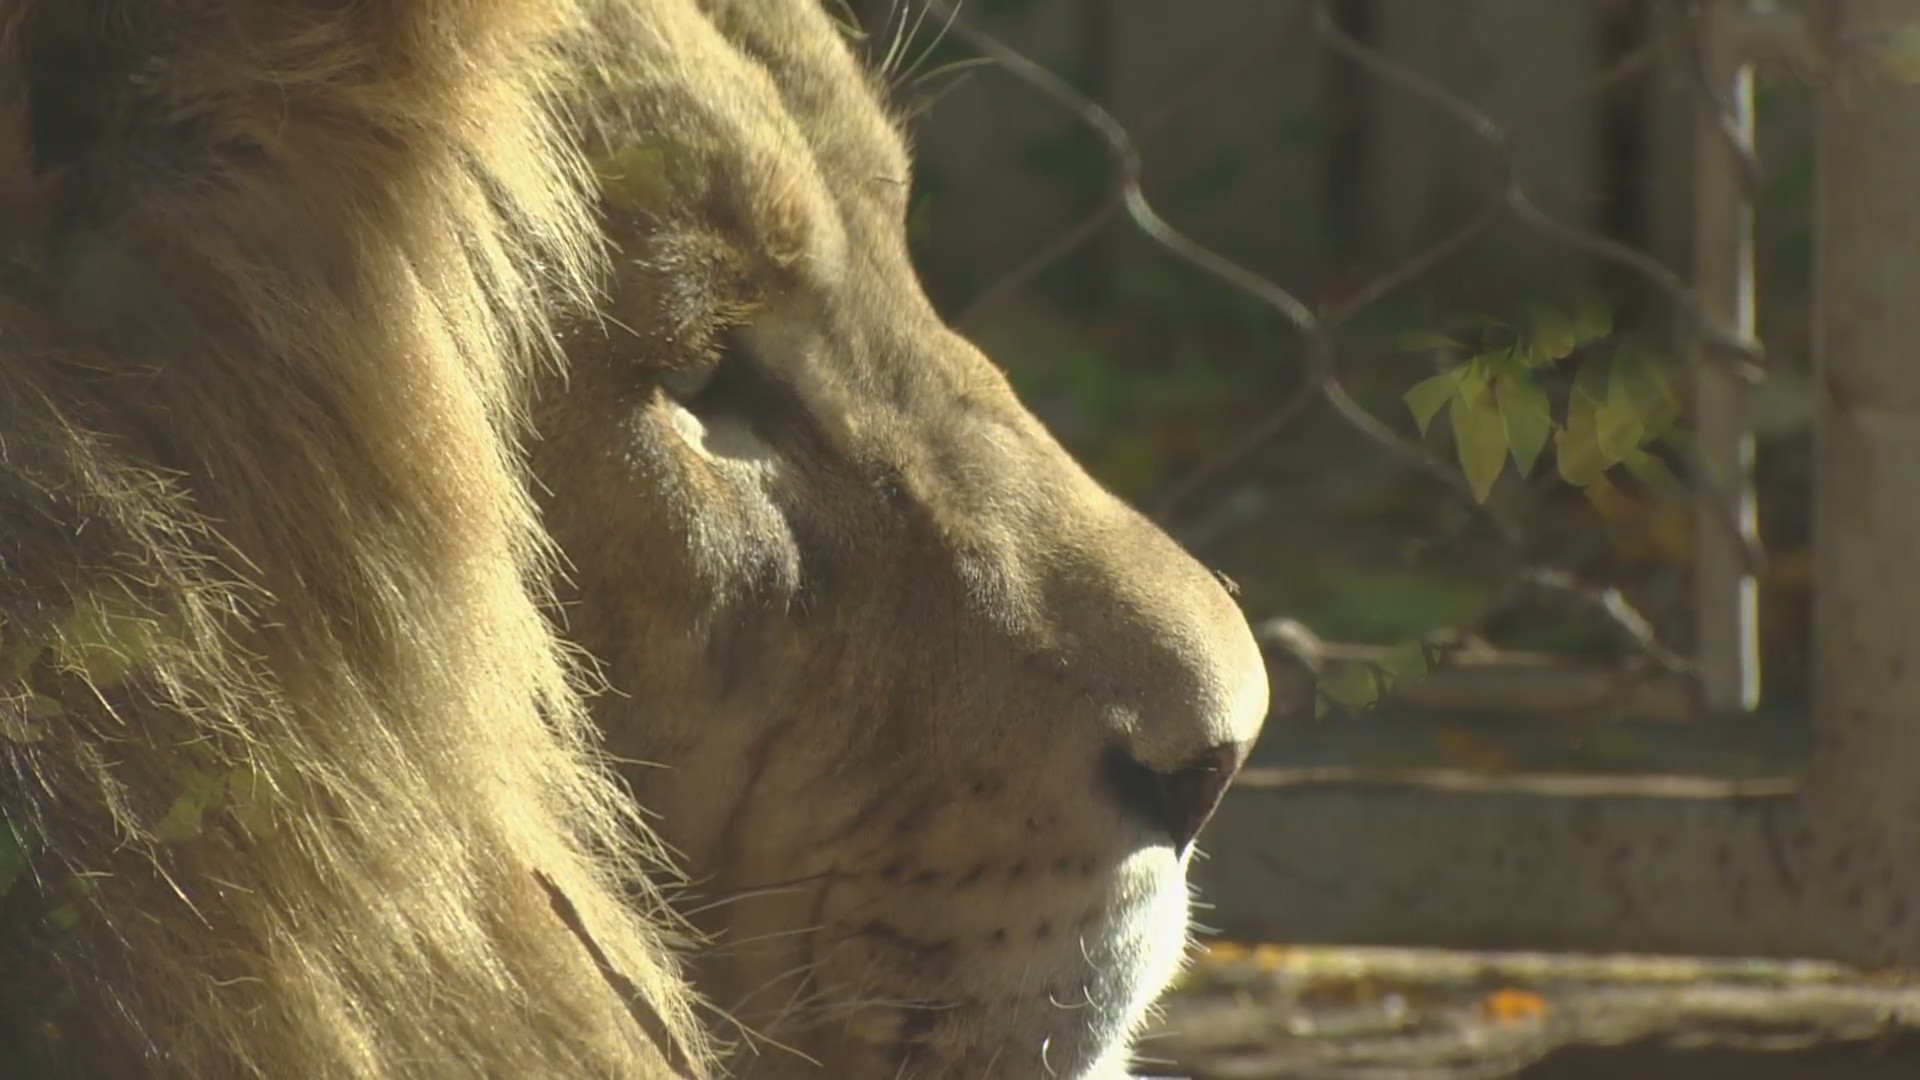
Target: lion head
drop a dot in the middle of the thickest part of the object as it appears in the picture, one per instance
(930, 717)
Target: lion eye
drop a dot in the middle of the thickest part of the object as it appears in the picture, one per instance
(717, 386)
(694, 387)
(686, 384)
(726, 387)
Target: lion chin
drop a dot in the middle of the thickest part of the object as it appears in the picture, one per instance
(309, 542)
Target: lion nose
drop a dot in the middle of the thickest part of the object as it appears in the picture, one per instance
(1176, 803)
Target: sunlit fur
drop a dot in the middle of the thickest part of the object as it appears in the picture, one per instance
(874, 639)
(274, 275)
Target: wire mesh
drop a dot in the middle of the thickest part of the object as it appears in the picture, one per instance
(1708, 355)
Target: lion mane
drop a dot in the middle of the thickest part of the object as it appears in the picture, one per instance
(295, 780)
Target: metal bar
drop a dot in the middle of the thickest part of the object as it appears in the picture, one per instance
(1726, 594)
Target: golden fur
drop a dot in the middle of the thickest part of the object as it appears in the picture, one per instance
(929, 717)
(912, 696)
(272, 289)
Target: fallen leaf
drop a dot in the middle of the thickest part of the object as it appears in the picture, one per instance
(1511, 1006)
(1472, 751)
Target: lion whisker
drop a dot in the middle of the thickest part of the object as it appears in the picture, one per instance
(953, 15)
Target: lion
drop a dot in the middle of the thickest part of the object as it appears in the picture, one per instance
(331, 330)
(930, 718)
(295, 778)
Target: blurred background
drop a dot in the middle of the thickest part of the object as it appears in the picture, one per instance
(1471, 339)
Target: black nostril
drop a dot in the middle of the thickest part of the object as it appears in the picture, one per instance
(1179, 802)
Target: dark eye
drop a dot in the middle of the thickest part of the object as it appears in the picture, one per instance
(685, 385)
(723, 385)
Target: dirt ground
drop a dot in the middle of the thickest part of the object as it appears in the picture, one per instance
(1278, 1013)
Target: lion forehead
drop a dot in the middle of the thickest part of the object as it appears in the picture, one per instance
(830, 99)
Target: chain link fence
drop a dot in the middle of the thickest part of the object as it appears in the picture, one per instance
(1462, 391)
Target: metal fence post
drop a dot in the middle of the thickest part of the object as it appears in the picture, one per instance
(1727, 595)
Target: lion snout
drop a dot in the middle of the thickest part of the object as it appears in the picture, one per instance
(1175, 802)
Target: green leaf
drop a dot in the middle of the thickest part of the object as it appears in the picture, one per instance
(1637, 380)
(1485, 324)
(1473, 382)
(1619, 430)
(1429, 396)
(1592, 320)
(1525, 416)
(1655, 476)
(1426, 341)
(1480, 440)
(184, 818)
(1589, 389)
(1576, 451)
(1577, 446)
(107, 641)
(1496, 362)
(1403, 661)
(1353, 686)
(1552, 333)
